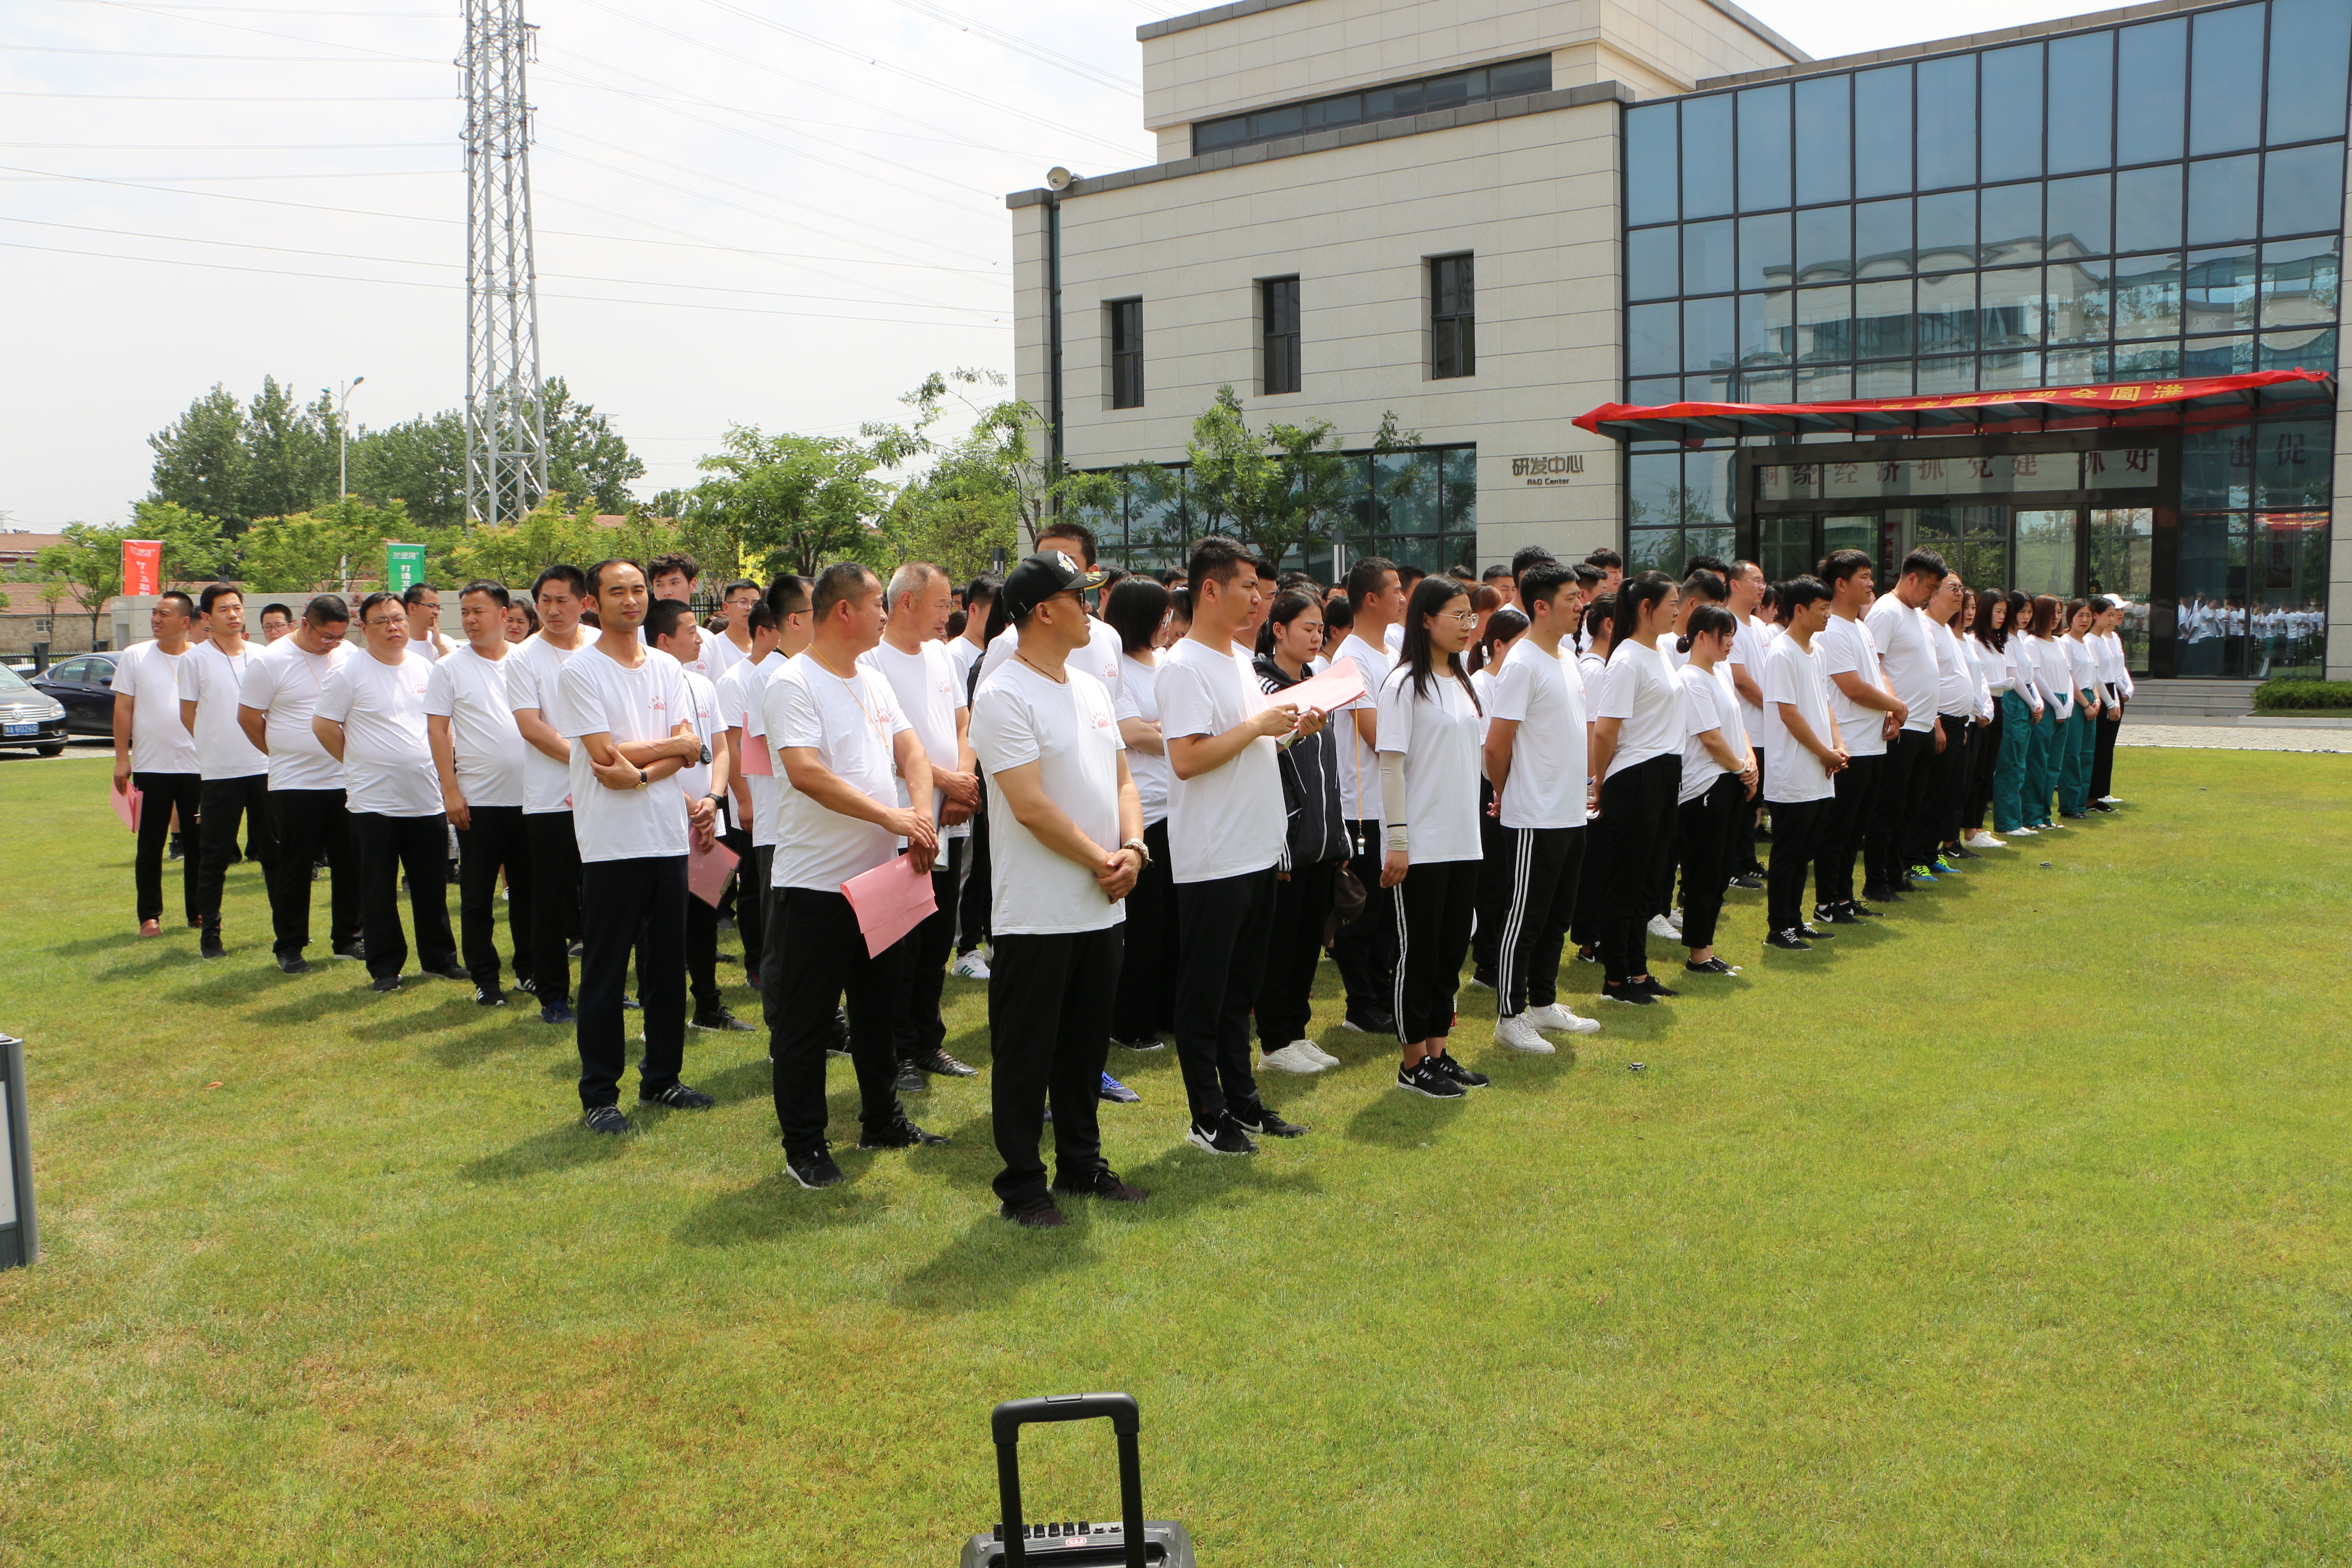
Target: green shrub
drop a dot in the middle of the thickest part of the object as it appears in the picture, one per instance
(2302, 694)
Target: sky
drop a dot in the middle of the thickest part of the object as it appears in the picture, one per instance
(773, 213)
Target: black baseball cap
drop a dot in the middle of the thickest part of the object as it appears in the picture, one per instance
(1040, 577)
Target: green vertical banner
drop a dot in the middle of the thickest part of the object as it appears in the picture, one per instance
(404, 566)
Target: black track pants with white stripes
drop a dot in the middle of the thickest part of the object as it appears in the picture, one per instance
(1435, 904)
(1546, 865)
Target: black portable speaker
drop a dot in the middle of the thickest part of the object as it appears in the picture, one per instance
(1134, 1542)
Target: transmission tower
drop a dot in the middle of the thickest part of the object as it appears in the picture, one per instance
(506, 429)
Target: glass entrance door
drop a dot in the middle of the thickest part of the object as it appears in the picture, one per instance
(2122, 551)
(2047, 547)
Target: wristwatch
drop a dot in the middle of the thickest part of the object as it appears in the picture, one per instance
(644, 780)
(1141, 849)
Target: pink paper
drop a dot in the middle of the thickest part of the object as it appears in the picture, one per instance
(1334, 687)
(126, 804)
(891, 900)
(755, 753)
(707, 871)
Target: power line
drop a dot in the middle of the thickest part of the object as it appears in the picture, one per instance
(159, 54)
(191, 98)
(213, 179)
(1037, 52)
(247, 147)
(170, 15)
(272, 10)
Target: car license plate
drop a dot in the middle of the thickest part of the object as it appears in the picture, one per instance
(20, 730)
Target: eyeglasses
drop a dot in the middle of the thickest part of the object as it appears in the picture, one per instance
(1464, 618)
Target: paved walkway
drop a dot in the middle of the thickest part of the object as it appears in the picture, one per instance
(2230, 738)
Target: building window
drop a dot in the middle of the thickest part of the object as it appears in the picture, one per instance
(1278, 313)
(1397, 101)
(1452, 319)
(1126, 352)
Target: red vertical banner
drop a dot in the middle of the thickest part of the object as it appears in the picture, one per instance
(143, 566)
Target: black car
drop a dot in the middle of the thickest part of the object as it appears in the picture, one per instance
(30, 717)
(83, 685)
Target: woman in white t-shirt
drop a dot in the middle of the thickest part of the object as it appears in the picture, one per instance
(1985, 639)
(1496, 844)
(2081, 736)
(1718, 779)
(1637, 752)
(1429, 740)
(1137, 608)
(2051, 678)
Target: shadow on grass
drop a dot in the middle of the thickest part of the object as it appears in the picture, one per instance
(777, 1208)
(1399, 1120)
(446, 1013)
(562, 1148)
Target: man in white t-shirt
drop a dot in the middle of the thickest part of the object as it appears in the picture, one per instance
(1905, 640)
(1867, 713)
(1535, 750)
(236, 774)
(838, 733)
(1365, 949)
(723, 650)
(1227, 824)
(561, 594)
(154, 753)
(623, 705)
(670, 627)
(1799, 770)
(275, 706)
(779, 629)
(421, 602)
(371, 718)
(478, 753)
(1069, 846)
(1747, 662)
(922, 676)
(1099, 657)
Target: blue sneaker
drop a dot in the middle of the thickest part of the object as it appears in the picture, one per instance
(1923, 873)
(1944, 868)
(1119, 1093)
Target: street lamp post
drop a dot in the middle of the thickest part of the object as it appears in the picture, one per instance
(343, 438)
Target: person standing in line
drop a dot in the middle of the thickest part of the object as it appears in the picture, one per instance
(1224, 838)
(723, 650)
(1315, 844)
(1365, 953)
(1718, 777)
(970, 853)
(1868, 714)
(276, 622)
(369, 717)
(752, 795)
(236, 774)
(922, 678)
(1100, 658)
(1936, 845)
(522, 621)
(1063, 798)
(2053, 676)
(422, 606)
(1746, 660)
(154, 753)
(1988, 634)
(2114, 691)
(2022, 724)
(1538, 738)
(275, 706)
(1902, 637)
(2080, 738)
(836, 727)
(625, 707)
(479, 755)
(671, 629)
(672, 576)
(560, 595)
(1600, 626)
(1637, 752)
(1807, 755)
(1146, 1005)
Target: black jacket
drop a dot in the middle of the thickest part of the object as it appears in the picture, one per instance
(1310, 787)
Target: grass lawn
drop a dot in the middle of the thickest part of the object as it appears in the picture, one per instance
(2012, 1232)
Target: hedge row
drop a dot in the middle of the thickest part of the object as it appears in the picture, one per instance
(2302, 694)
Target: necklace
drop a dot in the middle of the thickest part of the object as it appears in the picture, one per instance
(1062, 679)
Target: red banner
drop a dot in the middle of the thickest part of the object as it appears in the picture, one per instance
(2119, 398)
(143, 566)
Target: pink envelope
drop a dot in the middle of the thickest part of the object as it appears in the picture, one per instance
(755, 753)
(1341, 684)
(126, 804)
(891, 900)
(707, 871)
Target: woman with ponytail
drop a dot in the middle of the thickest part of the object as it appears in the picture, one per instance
(1718, 779)
(2055, 682)
(1314, 846)
(1637, 753)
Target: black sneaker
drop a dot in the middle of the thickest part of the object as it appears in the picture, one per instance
(901, 1134)
(456, 972)
(1257, 1118)
(388, 982)
(577, 949)
(1037, 1213)
(607, 1119)
(1746, 882)
(718, 1019)
(351, 950)
(177, 849)
(1712, 967)
(293, 964)
(910, 1079)
(488, 996)
(1962, 852)
(1149, 1043)
(1878, 894)
(210, 946)
(1425, 1076)
(1812, 934)
(1588, 953)
(630, 1003)
(1368, 1023)
(678, 1097)
(1855, 907)
(527, 985)
(1228, 1137)
(939, 1062)
(1444, 1063)
(1837, 915)
(812, 1168)
(1627, 992)
(558, 1013)
(1104, 1185)
(1787, 941)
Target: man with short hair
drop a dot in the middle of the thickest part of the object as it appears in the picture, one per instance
(779, 629)
(277, 620)
(371, 718)
(1612, 566)
(479, 756)
(1366, 949)
(1100, 660)
(154, 753)
(1867, 712)
(623, 706)
(723, 650)
(236, 774)
(1799, 772)
(1069, 848)
(1408, 578)
(275, 707)
(1906, 641)
(673, 576)
(422, 605)
(923, 677)
(670, 627)
(560, 593)
(1749, 646)
(1506, 584)
(1590, 585)
(834, 725)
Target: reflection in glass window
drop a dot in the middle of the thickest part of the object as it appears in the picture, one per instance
(1652, 262)
(1824, 243)
(2217, 356)
(1765, 328)
(1938, 376)
(1404, 487)
(2010, 308)
(1825, 323)
(2225, 57)
(1707, 257)
(1948, 121)
(1883, 380)
(1651, 158)
(2300, 283)
(2147, 361)
(1948, 231)
(1764, 258)
(1655, 481)
(2292, 459)
(2222, 200)
(1824, 383)
(2217, 467)
(1882, 238)
(1882, 125)
(1764, 148)
(1707, 333)
(1767, 386)
(2080, 217)
(2151, 90)
(2147, 208)
(2148, 296)
(2045, 552)
(2076, 367)
(2011, 134)
(2217, 290)
(1653, 339)
(2304, 189)
(2003, 371)
(1824, 140)
(2312, 349)
(1882, 321)
(1948, 312)
(2075, 302)
(1654, 550)
(1706, 156)
(2311, 41)
(1458, 497)
(2011, 227)
(2081, 133)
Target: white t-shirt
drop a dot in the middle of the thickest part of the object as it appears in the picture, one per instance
(215, 682)
(853, 725)
(1070, 730)
(1793, 675)
(1098, 658)
(1907, 651)
(964, 653)
(1639, 689)
(532, 671)
(701, 710)
(1436, 731)
(1709, 702)
(1956, 682)
(1545, 696)
(1846, 648)
(1359, 764)
(718, 655)
(739, 706)
(470, 692)
(430, 648)
(928, 694)
(387, 757)
(1393, 640)
(160, 744)
(1138, 697)
(597, 694)
(1229, 820)
(283, 685)
(1748, 646)
(1592, 667)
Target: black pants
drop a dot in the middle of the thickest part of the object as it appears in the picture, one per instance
(1984, 757)
(1750, 815)
(1366, 950)
(1049, 1004)
(160, 792)
(763, 898)
(1146, 1007)
(750, 888)
(1949, 773)
(1294, 945)
(1906, 778)
(1798, 829)
(221, 802)
(1497, 847)
(1839, 837)
(310, 822)
(1435, 906)
(1633, 857)
(815, 953)
(702, 955)
(2103, 748)
(1222, 927)
(388, 846)
(554, 904)
(1532, 926)
(497, 839)
(1708, 834)
(920, 1029)
(639, 905)
(972, 903)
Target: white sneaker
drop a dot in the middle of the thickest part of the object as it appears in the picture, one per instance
(1663, 928)
(2021, 833)
(970, 966)
(1319, 1053)
(1556, 1019)
(2110, 800)
(1471, 982)
(1674, 918)
(1295, 1057)
(1981, 839)
(1517, 1035)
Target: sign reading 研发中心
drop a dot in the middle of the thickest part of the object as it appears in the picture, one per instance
(1551, 471)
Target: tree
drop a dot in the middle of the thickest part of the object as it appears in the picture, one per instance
(90, 561)
(320, 550)
(514, 554)
(420, 462)
(194, 549)
(786, 502)
(201, 457)
(585, 456)
(292, 455)
(1273, 490)
(993, 488)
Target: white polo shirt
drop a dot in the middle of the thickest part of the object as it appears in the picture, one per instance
(470, 692)
(283, 685)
